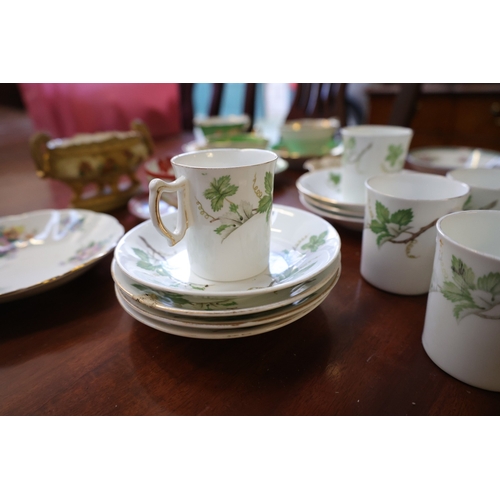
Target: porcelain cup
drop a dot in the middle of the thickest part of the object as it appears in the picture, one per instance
(399, 233)
(224, 199)
(371, 150)
(484, 187)
(309, 136)
(462, 321)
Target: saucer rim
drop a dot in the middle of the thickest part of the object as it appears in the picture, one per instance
(63, 278)
(249, 320)
(333, 235)
(353, 223)
(229, 333)
(355, 207)
(269, 305)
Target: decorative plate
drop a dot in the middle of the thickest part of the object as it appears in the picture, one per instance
(440, 160)
(220, 307)
(302, 245)
(201, 333)
(45, 248)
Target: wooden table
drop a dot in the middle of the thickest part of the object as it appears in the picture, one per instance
(74, 351)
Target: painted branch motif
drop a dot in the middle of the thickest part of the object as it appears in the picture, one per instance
(470, 296)
(220, 192)
(395, 227)
(393, 161)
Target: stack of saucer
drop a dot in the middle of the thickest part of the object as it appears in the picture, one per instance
(320, 191)
(154, 283)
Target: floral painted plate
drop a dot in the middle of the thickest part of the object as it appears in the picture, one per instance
(302, 245)
(221, 307)
(349, 222)
(440, 160)
(42, 249)
(217, 333)
(325, 186)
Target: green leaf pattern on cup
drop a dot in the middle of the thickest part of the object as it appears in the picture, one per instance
(393, 161)
(219, 193)
(470, 205)
(471, 296)
(395, 227)
(393, 153)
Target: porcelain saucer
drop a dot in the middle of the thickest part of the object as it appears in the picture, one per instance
(302, 245)
(224, 307)
(349, 222)
(325, 186)
(440, 160)
(213, 334)
(232, 322)
(46, 248)
(323, 162)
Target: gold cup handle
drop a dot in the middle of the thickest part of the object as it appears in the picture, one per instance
(156, 188)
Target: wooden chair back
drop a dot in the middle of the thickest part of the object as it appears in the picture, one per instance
(319, 100)
(215, 106)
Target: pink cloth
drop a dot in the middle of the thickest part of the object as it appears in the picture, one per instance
(65, 109)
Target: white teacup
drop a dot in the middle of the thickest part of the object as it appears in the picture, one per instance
(462, 322)
(399, 234)
(371, 150)
(224, 210)
(484, 187)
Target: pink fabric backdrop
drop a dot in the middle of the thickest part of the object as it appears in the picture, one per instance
(65, 109)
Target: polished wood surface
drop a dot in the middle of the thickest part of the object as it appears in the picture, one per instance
(74, 351)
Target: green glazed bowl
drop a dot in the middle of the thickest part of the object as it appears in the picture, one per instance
(239, 141)
(220, 127)
(309, 136)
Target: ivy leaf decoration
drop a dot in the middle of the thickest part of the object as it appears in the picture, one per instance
(402, 217)
(219, 190)
(468, 203)
(463, 275)
(389, 226)
(266, 202)
(315, 242)
(490, 283)
(335, 178)
(383, 214)
(468, 296)
(394, 152)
